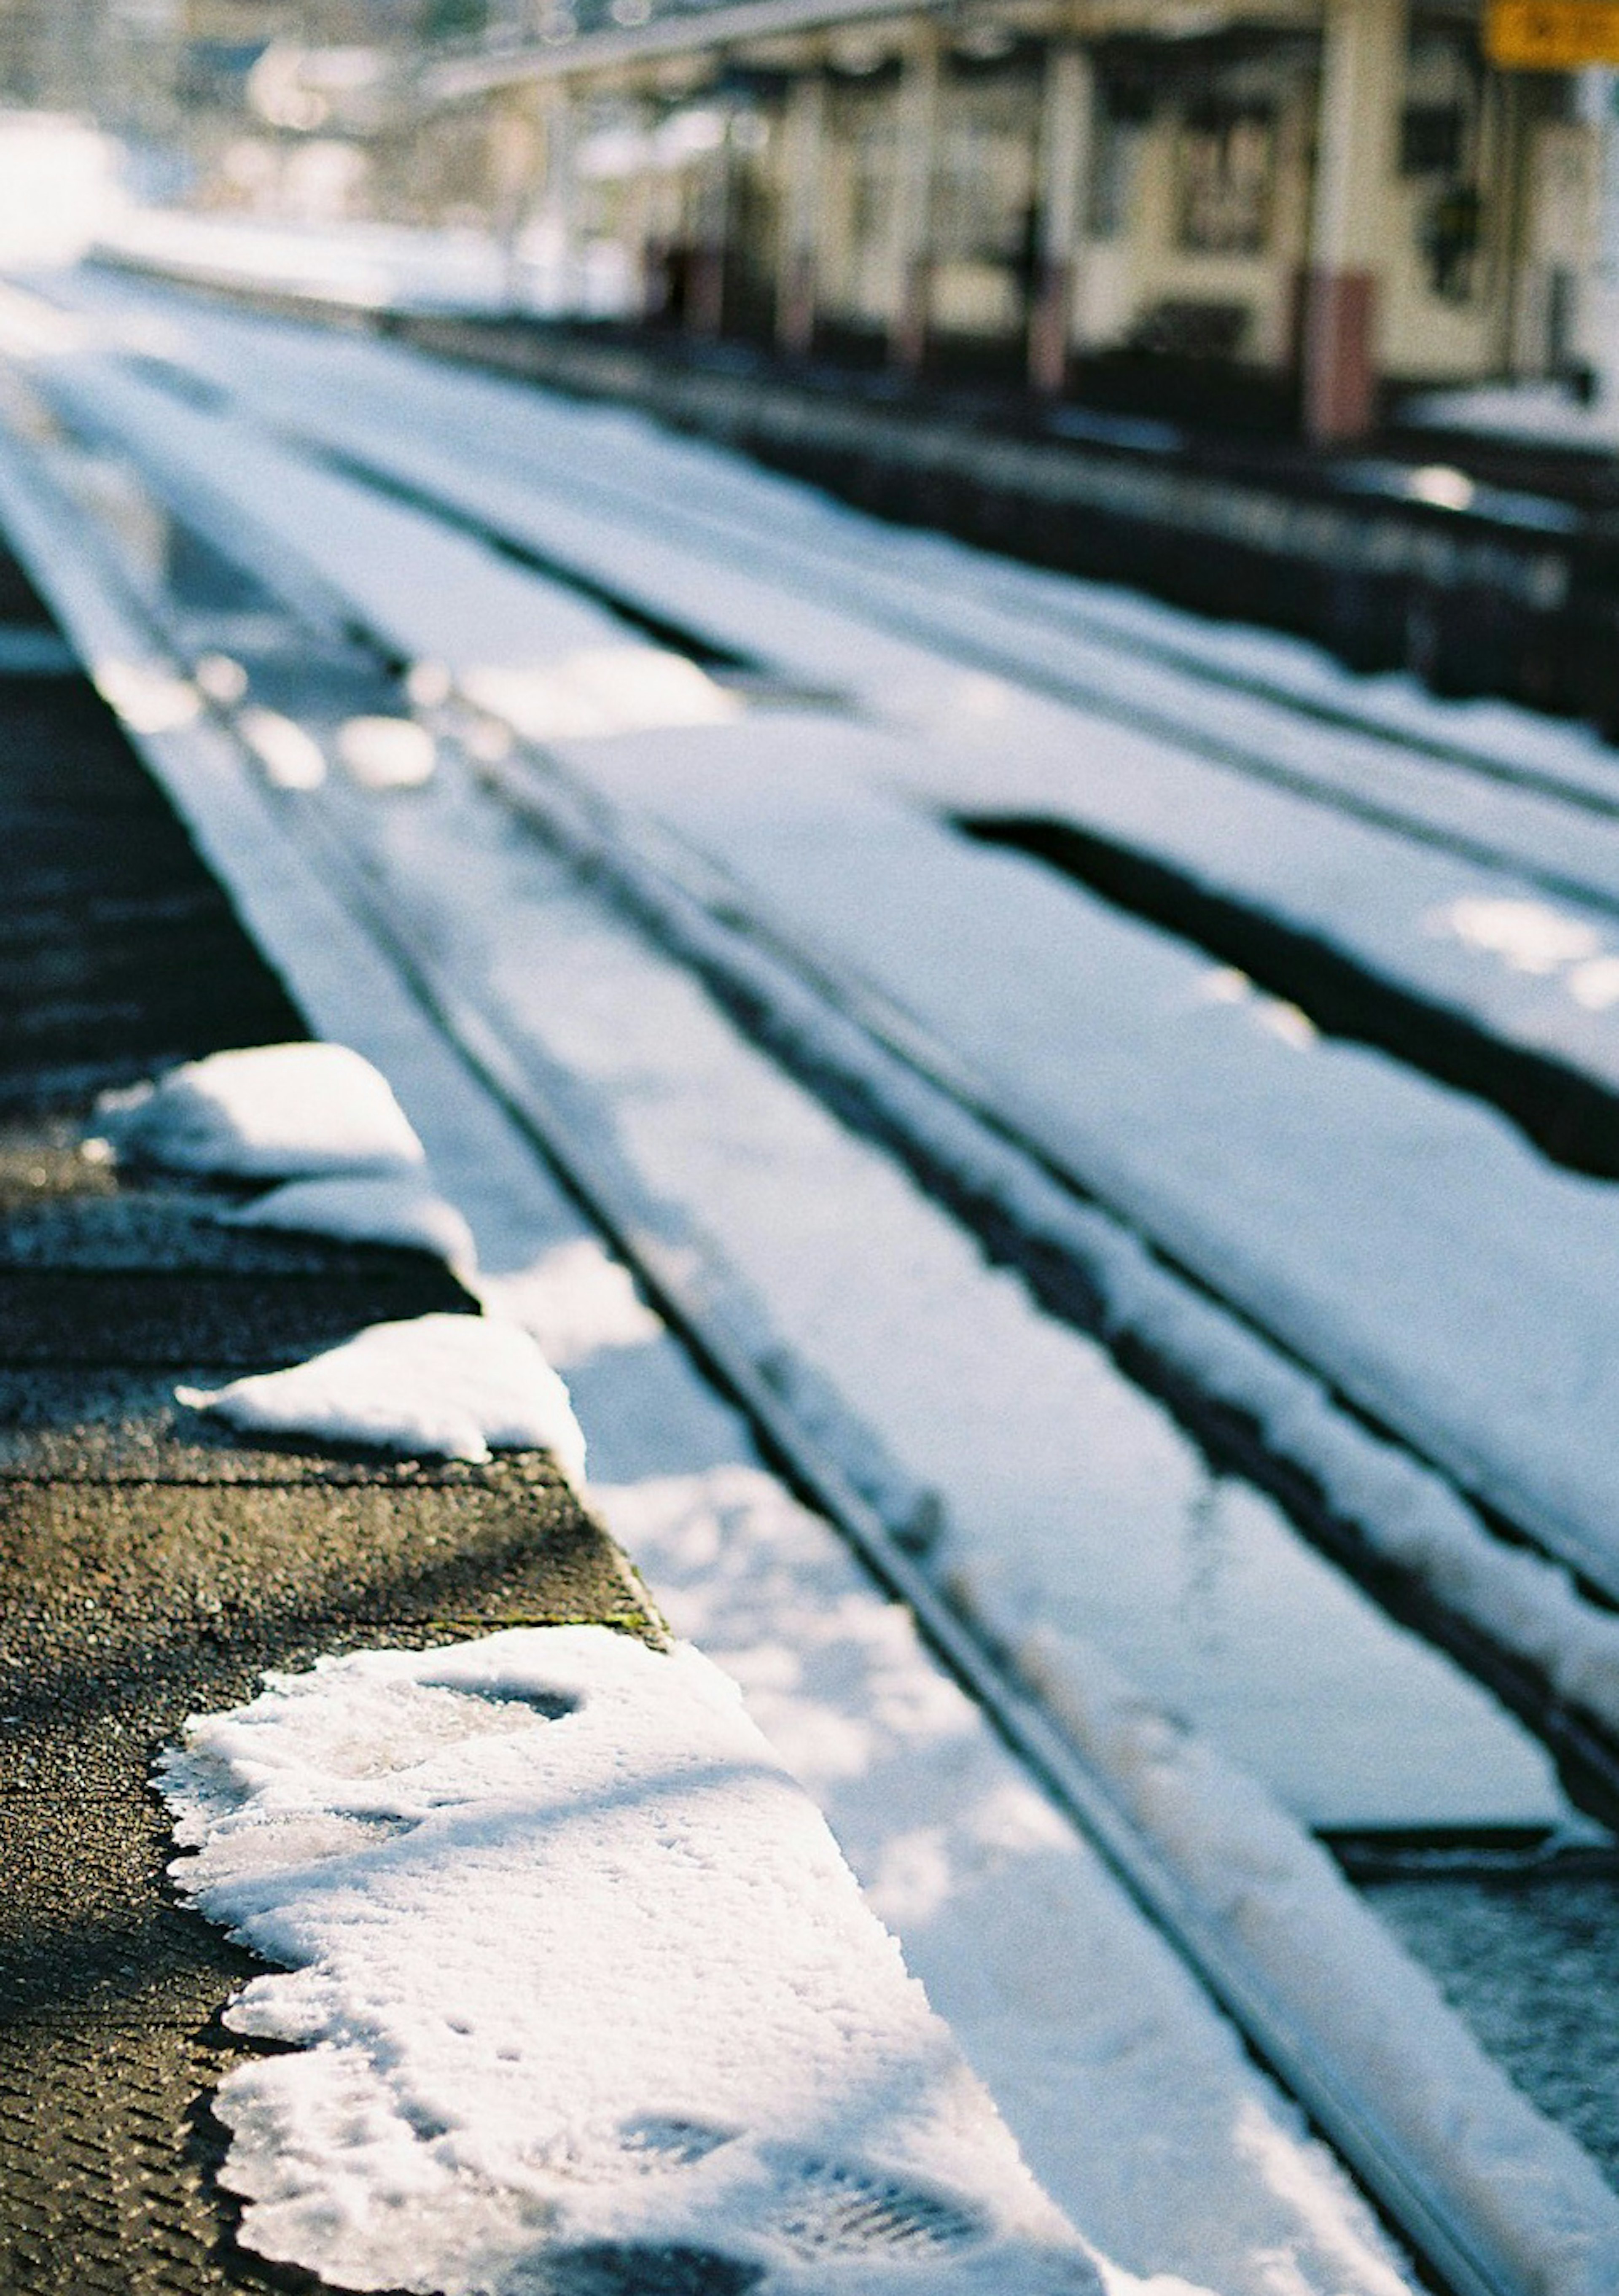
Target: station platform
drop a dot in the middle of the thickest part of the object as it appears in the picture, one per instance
(152, 1564)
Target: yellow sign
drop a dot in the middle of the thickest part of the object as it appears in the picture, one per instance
(1552, 35)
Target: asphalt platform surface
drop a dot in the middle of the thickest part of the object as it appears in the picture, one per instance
(151, 1566)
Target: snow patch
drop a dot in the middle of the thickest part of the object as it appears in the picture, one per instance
(576, 1299)
(146, 695)
(447, 1387)
(600, 690)
(359, 1210)
(1530, 936)
(274, 1112)
(388, 752)
(584, 1988)
(292, 758)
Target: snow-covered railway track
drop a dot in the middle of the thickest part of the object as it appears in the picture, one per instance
(1461, 2252)
(1469, 918)
(1216, 1386)
(923, 1103)
(1153, 666)
(1254, 1406)
(920, 584)
(1528, 817)
(1457, 2246)
(1094, 653)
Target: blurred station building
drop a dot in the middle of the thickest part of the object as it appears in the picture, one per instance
(1297, 205)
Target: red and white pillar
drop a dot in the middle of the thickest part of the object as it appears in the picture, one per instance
(1363, 84)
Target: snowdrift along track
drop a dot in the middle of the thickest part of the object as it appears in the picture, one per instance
(1463, 2247)
(1543, 813)
(1492, 588)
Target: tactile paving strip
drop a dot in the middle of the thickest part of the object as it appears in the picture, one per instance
(109, 2149)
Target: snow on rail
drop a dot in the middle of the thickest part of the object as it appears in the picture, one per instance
(1393, 1235)
(1402, 1510)
(1530, 2202)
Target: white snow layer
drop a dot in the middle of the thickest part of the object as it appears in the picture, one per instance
(447, 1387)
(577, 1970)
(272, 1112)
(1178, 2152)
(358, 1209)
(1237, 1872)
